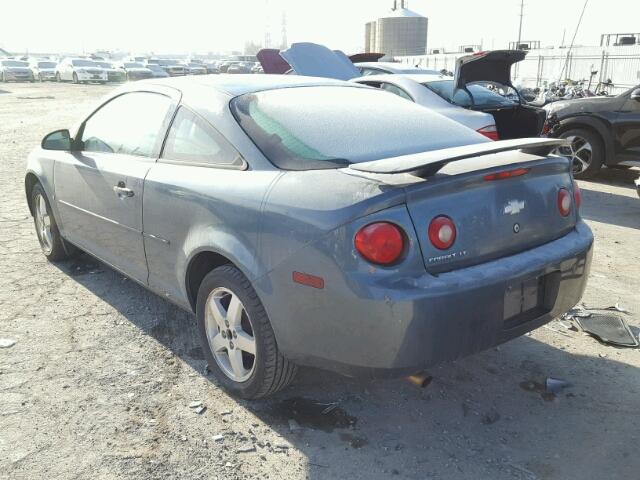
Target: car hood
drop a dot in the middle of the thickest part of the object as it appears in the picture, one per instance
(18, 69)
(493, 66)
(141, 70)
(272, 62)
(579, 105)
(311, 59)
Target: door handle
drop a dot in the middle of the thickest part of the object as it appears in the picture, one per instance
(122, 191)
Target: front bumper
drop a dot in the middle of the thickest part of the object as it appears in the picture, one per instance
(381, 329)
(18, 77)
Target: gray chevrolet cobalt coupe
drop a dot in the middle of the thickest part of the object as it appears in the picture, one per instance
(310, 221)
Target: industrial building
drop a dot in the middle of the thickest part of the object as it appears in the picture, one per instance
(400, 32)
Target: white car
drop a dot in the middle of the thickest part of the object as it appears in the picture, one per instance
(423, 90)
(381, 68)
(43, 70)
(79, 70)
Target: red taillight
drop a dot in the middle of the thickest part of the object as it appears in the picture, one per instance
(442, 232)
(577, 195)
(490, 131)
(381, 243)
(518, 172)
(564, 202)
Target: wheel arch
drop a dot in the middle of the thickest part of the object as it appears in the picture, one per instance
(198, 266)
(30, 181)
(594, 125)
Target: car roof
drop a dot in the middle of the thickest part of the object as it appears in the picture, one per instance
(248, 83)
(420, 78)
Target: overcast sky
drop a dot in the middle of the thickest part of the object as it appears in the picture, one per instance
(201, 25)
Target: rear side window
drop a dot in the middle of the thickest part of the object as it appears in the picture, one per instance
(193, 140)
(482, 97)
(396, 91)
(130, 124)
(315, 127)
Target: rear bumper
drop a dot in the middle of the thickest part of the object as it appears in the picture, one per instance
(413, 323)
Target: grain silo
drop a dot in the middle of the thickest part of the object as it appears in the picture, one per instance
(400, 32)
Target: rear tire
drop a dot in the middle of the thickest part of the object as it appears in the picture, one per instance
(586, 152)
(58, 79)
(75, 77)
(53, 245)
(257, 375)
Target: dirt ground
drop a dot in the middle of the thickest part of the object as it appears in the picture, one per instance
(99, 381)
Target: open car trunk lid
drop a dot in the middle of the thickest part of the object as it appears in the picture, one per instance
(493, 66)
(494, 217)
(272, 62)
(313, 60)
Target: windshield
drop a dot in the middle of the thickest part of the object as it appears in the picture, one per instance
(153, 66)
(104, 64)
(46, 64)
(83, 63)
(14, 63)
(133, 65)
(304, 128)
(482, 97)
(168, 62)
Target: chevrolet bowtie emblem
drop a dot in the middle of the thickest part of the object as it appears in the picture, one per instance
(514, 207)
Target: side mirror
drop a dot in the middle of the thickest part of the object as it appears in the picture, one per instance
(58, 140)
(635, 95)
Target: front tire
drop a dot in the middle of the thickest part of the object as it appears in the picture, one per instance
(237, 338)
(52, 244)
(58, 79)
(586, 152)
(75, 78)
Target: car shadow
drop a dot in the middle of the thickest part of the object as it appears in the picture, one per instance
(478, 418)
(612, 208)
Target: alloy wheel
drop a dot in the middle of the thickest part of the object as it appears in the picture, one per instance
(579, 151)
(230, 334)
(43, 224)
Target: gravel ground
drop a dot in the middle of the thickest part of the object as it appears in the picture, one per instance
(102, 375)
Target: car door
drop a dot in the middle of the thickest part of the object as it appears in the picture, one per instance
(627, 128)
(197, 182)
(99, 186)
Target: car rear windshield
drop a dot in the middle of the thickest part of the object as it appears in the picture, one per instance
(14, 63)
(482, 96)
(314, 127)
(83, 63)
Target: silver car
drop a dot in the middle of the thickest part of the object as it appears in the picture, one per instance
(314, 222)
(15, 71)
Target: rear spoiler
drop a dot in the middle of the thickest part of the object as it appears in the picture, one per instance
(431, 162)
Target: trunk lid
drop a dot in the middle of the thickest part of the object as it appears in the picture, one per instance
(493, 218)
(313, 60)
(493, 66)
(272, 62)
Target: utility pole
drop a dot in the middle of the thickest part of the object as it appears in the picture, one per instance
(520, 28)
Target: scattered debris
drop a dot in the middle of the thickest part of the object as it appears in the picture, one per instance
(217, 438)
(308, 413)
(226, 412)
(195, 404)
(618, 308)
(199, 410)
(609, 328)
(554, 385)
(329, 408)
(7, 342)
(246, 449)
